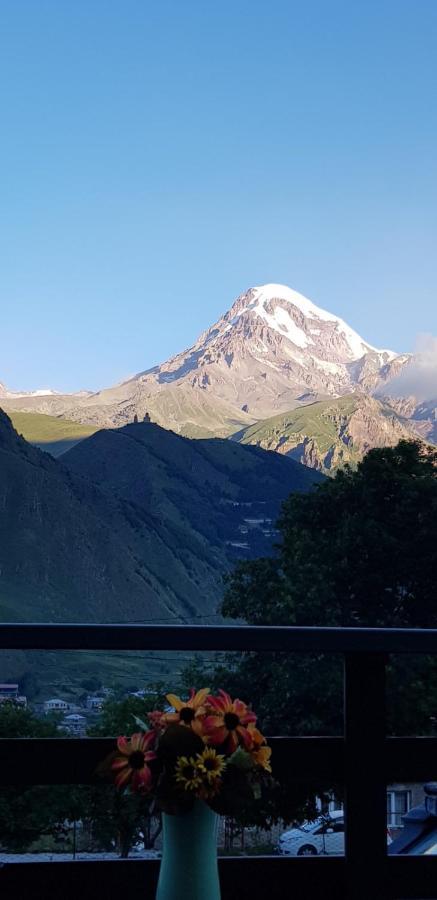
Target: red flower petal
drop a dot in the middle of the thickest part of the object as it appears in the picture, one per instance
(123, 777)
(120, 763)
(123, 745)
(244, 737)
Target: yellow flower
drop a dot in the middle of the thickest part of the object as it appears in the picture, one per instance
(189, 712)
(211, 764)
(261, 757)
(187, 773)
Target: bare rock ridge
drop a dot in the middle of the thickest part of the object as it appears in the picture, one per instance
(330, 433)
(273, 352)
(274, 349)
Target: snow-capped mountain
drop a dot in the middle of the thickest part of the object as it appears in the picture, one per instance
(10, 395)
(272, 351)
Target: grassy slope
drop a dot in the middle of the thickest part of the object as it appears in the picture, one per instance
(50, 433)
(132, 524)
(305, 420)
(337, 430)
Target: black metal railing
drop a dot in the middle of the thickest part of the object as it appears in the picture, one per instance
(365, 760)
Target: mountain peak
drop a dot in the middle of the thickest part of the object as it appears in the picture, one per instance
(282, 297)
(266, 292)
(272, 350)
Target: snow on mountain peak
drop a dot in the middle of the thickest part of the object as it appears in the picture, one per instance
(284, 323)
(267, 292)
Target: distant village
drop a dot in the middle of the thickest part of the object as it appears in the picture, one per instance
(73, 718)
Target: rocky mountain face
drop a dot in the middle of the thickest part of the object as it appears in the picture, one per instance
(330, 433)
(424, 420)
(136, 523)
(273, 350)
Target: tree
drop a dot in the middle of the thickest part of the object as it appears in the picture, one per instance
(118, 716)
(121, 820)
(112, 821)
(360, 550)
(28, 812)
(18, 722)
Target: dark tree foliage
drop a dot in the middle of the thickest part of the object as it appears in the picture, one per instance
(360, 550)
(17, 722)
(118, 716)
(110, 821)
(27, 812)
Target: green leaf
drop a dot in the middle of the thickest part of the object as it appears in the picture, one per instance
(141, 724)
(241, 759)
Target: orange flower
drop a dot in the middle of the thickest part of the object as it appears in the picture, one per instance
(257, 738)
(188, 712)
(131, 766)
(228, 724)
(259, 751)
(262, 757)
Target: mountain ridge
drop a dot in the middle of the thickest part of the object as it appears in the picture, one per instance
(272, 350)
(326, 435)
(131, 523)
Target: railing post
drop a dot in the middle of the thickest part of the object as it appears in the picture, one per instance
(365, 788)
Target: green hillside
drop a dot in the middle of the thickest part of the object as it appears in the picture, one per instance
(50, 433)
(330, 433)
(132, 524)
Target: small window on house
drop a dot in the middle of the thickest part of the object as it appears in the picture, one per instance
(398, 803)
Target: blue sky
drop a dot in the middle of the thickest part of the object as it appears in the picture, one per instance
(159, 158)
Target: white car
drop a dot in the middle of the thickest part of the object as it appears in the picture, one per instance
(324, 835)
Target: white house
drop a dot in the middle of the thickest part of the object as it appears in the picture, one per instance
(9, 694)
(74, 724)
(55, 705)
(94, 703)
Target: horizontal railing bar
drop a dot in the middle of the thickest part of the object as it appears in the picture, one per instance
(241, 878)
(38, 636)
(75, 760)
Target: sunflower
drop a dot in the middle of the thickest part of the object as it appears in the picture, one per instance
(228, 723)
(188, 712)
(131, 766)
(188, 774)
(211, 764)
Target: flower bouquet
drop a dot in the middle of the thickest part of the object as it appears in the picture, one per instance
(202, 759)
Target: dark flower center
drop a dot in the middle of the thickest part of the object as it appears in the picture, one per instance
(186, 714)
(136, 759)
(231, 721)
(188, 772)
(210, 764)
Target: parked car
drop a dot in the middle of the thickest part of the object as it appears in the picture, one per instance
(324, 835)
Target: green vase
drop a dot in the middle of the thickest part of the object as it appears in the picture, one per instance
(189, 856)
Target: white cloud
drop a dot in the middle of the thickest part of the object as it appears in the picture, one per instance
(419, 377)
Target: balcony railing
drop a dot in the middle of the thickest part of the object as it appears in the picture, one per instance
(364, 760)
